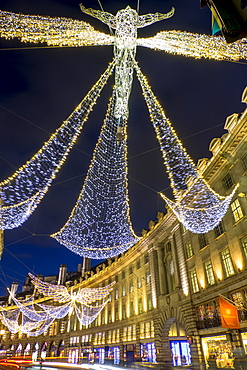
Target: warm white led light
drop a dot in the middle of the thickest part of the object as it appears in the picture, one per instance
(35, 321)
(99, 225)
(22, 192)
(198, 207)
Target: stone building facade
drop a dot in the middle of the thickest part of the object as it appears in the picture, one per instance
(164, 306)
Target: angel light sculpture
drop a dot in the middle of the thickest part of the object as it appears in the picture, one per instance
(99, 225)
(33, 318)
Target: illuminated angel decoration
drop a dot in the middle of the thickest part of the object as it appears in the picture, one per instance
(97, 218)
(34, 318)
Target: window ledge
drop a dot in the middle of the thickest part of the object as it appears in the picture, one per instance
(202, 249)
(217, 238)
(241, 219)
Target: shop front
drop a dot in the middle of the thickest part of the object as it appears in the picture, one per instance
(18, 351)
(218, 349)
(87, 355)
(244, 340)
(73, 355)
(27, 350)
(180, 352)
(113, 355)
(148, 352)
(99, 355)
(35, 351)
(53, 350)
(61, 349)
(43, 351)
(129, 354)
(2, 351)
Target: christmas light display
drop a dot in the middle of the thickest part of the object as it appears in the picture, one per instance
(53, 31)
(196, 205)
(195, 45)
(125, 23)
(95, 230)
(25, 318)
(21, 193)
(99, 225)
(60, 293)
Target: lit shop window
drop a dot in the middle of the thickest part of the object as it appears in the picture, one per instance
(131, 286)
(227, 262)
(150, 302)
(189, 250)
(209, 272)
(244, 245)
(140, 308)
(123, 291)
(194, 281)
(236, 210)
(148, 277)
(139, 282)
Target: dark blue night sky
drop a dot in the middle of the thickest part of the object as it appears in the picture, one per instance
(40, 87)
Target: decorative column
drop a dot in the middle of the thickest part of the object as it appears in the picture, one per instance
(153, 266)
(161, 267)
(177, 281)
(138, 344)
(180, 260)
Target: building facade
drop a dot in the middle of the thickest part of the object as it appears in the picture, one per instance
(164, 306)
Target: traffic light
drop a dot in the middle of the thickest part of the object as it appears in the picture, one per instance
(229, 17)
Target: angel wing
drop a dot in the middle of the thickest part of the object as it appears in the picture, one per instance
(58, 293)
(196, 45)
(53, 31)
(87, 296)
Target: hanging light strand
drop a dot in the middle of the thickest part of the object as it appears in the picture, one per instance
(99, 226)
(21, 193)
(198, 207)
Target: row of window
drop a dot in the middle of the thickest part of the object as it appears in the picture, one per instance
(218, 230)
(133, 283)
(131, 268)
(227, 264)
(132, 311)
(227, 180)
(129, 333)
(112, 314)
(208, 314)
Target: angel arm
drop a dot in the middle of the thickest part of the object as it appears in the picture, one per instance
(53, 31)
(56, 292)
(87, 296)
(104, 17)
(196, 45)
(147, 19)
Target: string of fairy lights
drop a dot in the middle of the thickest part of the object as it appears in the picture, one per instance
(99, 225)
(196, 205)
(57, 31)
(33, 318)
(196, 46)
(22, 192)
